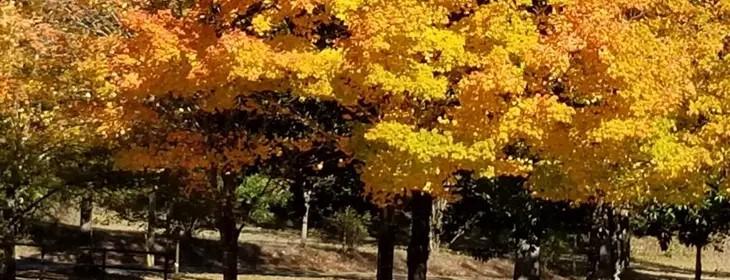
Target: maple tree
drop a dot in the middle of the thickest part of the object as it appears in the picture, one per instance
(591, 102)
(639, 135)
(597, 102)
(217, 102)
(603, 102)
(594, 101)
(50, 72)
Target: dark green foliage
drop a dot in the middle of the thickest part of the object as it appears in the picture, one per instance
(697, 225)
(258, 194)
(349, 227)
(694, 225)
(187, 211)
(491, 215)
(658, 221)
(333, 182)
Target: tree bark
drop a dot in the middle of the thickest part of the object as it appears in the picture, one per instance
(418, 247)
(86, 215)
(527, 233)
(437, 224)
(229, 241)
(9, 266)
(627, 251)
(602, 258)
(527, 260)
(698, 263)
(8, 236)
(305, 218)
(151, 221)
(624, 241)
(229, 231)
(386, 244)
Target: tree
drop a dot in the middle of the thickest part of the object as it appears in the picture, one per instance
(696, 225)
(700, 225)
(48, 74)
(499, 217)
(633, 137)
(596, 102)
(422, 139)
(179, 212)
(322, 177)
(611, 117)
(337, 50)
(386, 244)
(211, 117)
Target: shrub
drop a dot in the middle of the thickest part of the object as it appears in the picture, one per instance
(350, 228)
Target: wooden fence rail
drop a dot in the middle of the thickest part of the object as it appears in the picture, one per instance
(169, 267)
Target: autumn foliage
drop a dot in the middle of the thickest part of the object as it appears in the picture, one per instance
(593, 100)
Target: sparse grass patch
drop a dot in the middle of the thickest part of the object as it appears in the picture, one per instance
(646, 251)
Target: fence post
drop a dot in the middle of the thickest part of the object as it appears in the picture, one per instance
(166, 267)
(43, 263)
(177, 257)
(103, 263)
(575, 247)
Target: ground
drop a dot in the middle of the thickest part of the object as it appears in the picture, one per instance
(678, 261)
(278, 254)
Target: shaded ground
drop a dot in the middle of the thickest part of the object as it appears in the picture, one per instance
(266, 254)
(269, 255)
(650, 263)
(677, 263)
(652, 271)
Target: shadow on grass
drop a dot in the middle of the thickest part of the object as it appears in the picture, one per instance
(62, 242)
(569, 265)
(634, 274)
(498, 272)
(651, 270)
(639, 270)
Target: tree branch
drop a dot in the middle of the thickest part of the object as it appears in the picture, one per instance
(466, 226)
(33, 205)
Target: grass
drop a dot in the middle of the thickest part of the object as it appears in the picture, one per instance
(269, 254)
(244, 277)
(276, 254)
(679, 259)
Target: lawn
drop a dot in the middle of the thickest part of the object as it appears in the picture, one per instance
(277, 254)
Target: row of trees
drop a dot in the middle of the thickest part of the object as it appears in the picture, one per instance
(610, 104)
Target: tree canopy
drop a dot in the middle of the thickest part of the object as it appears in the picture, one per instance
(596, 100)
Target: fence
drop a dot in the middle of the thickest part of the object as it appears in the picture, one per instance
(170, 260)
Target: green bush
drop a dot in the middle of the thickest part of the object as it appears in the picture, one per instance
(349, 227)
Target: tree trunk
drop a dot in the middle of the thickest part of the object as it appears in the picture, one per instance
(439, 205)
(8, 236)
(698, 263)
(229, 231)
(527, 231)
(176, 266)
(527, 260)
(9, 267)
(602, 258)
(150, 235)
(229, 240)
(305, 218)
(386, 244)
(627, 251)
(624, 241)
(86, 215)
(418, 250)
